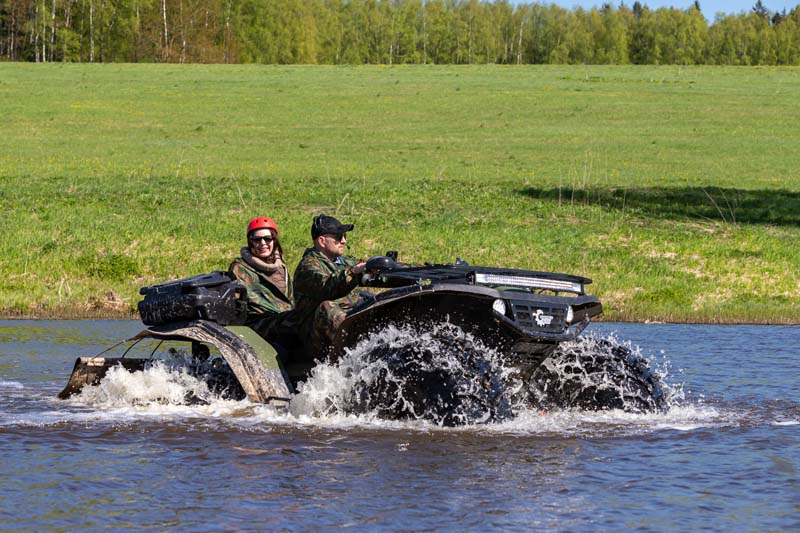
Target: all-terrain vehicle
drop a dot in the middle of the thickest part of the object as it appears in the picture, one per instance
(522, 315)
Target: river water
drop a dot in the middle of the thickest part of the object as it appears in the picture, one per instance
(724, 457)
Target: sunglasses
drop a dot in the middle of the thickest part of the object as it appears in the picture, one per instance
(336, 237)
(266, 238)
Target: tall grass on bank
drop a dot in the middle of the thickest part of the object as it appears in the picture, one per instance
(676, 189)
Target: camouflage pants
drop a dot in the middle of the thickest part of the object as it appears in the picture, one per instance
(274, 326)
(327, 319)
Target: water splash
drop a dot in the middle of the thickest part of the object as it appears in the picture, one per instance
(601, 373)
(442, 375)
(160, 383)
(178, 379)
(438, 377)
(448, 377)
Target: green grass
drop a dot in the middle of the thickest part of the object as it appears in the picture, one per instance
(676, 189)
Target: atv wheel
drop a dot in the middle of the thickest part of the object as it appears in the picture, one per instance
(596, 374)
(441, 375)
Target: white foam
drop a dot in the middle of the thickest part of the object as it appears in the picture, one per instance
(11, 385)
(166, 393)
(157, 386)
(614, 421)
(245, 415)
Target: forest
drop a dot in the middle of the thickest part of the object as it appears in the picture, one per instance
(390, 32)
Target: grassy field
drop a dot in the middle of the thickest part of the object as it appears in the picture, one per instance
(676, 189)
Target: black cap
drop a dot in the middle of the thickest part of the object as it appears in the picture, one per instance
(325, 225)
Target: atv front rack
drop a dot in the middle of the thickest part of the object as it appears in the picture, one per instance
(485, 276)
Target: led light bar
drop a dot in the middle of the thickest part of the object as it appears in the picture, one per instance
(534, 283)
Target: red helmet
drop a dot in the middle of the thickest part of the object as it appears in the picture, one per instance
(261, 223)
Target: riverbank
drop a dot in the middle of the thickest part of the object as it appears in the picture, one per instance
(675, 189)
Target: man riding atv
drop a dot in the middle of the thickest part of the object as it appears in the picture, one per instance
(325, 285)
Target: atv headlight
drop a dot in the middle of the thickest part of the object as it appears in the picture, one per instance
(499, 306)
(570, 314)
(482, 278)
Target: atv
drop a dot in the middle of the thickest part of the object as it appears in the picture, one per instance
(522, 315)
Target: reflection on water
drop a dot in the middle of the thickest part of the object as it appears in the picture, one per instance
(727, 457)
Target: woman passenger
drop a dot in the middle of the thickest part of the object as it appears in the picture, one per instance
(262, 271)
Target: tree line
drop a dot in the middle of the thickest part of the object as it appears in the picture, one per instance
(390, 32)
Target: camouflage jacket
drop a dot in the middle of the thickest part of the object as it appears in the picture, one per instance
(318, 279)
(263, 297)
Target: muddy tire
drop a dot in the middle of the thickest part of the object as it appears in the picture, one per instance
(447, 379)
(596, 376)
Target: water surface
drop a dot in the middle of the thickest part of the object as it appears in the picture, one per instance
(724, 458)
